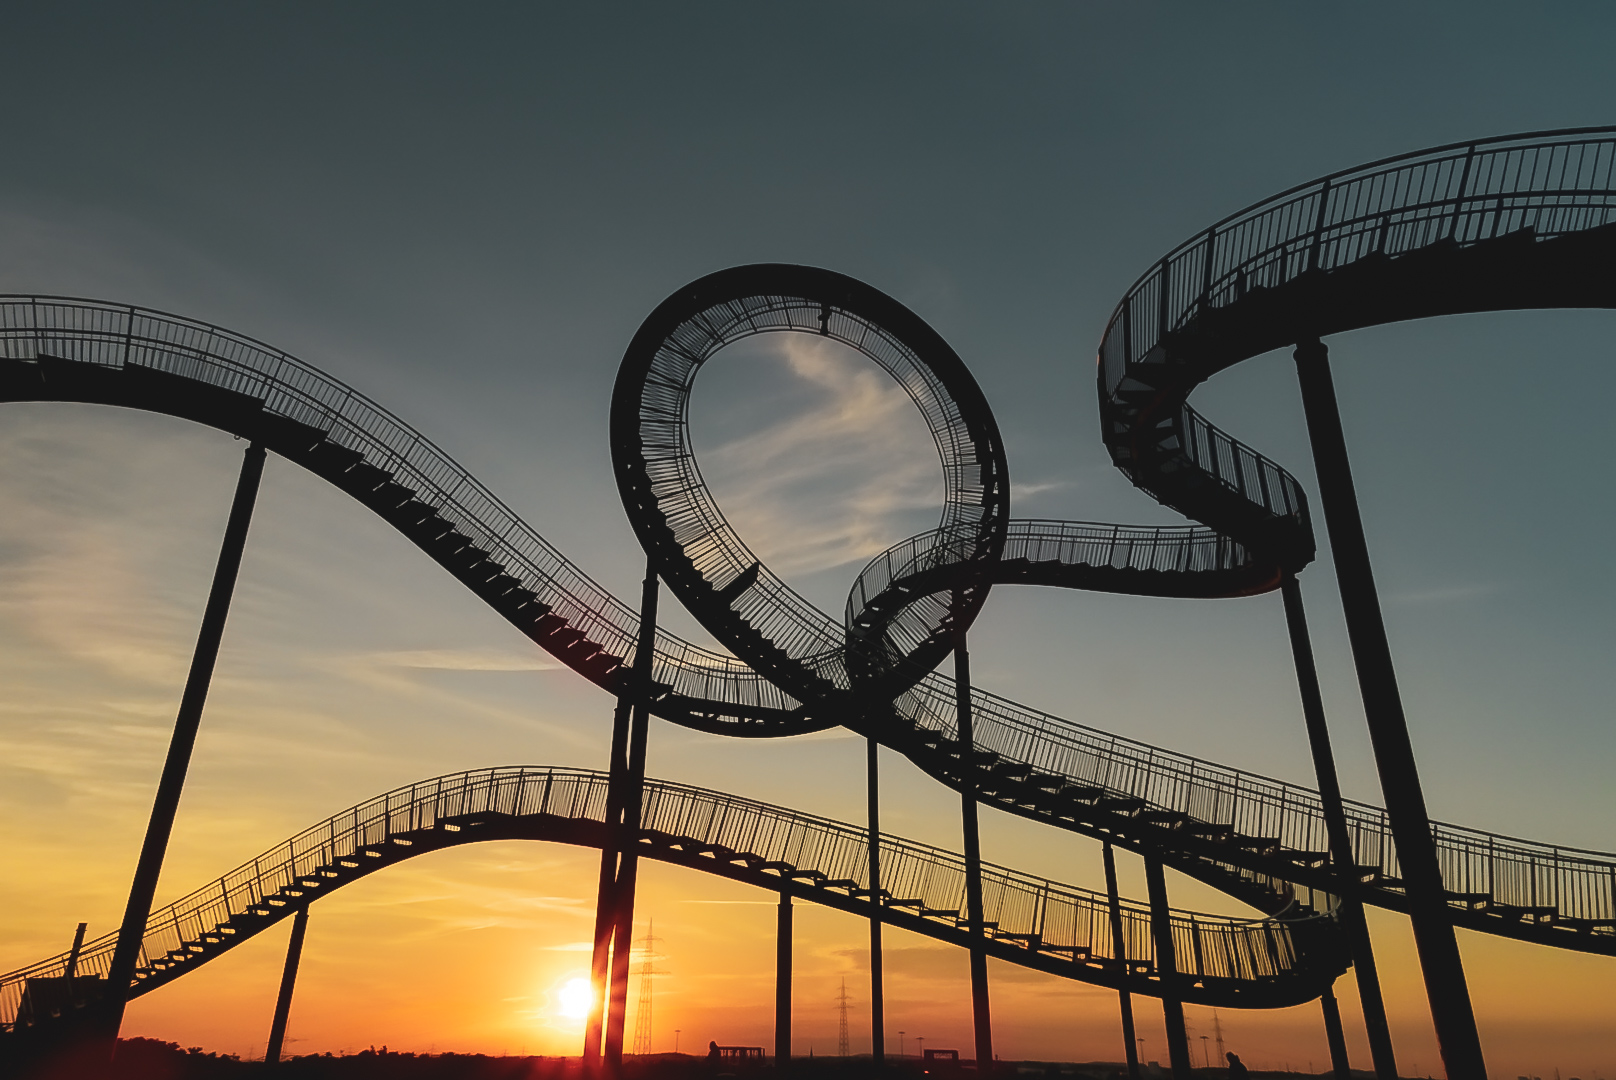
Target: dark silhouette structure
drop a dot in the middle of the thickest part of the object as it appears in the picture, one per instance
(1516, 222)
(1046, 925)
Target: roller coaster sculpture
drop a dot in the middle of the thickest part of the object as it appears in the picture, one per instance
(1510, 223)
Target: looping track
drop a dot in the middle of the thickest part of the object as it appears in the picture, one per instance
(1509, 223)
(1032, 922)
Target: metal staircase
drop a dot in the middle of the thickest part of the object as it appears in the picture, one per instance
(1256, 836)
(1032, 922)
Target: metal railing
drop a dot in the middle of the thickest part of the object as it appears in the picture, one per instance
(1063, 918)
(1544, 185)
(112, 336)
(1551, 183)
(1580, 884)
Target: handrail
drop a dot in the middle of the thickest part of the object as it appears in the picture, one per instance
(1062, 918)
(115, 335)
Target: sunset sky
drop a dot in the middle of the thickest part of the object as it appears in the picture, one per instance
(466, 214)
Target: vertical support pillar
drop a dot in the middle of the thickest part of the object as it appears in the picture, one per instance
(980, 1013)
(605, 890)
(1443, 968)
(1119, 947)
(132, 931)
(1340, 839)
(1339, 1062)
(1161, 925)
(782, 986)
(629, 829)
(283, 1001)
(878, 1024)
(73, 959)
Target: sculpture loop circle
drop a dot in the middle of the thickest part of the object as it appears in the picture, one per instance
(908, 605)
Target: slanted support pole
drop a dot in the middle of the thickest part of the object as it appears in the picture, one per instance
(283, 1000)
(782, 986)
(1119, 947)
(977, 924)
(132, 931)
(605, 913)
(1161, 926)
(628, 830)
(1438, 948)
(1340, 839)
(1339, 1063)
(878, 1045)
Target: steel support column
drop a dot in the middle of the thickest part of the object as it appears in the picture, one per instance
(605, 913)
(165, 806)
(283, 1000)
(1119, 946)
(1445, 985)
(877, 984)
(628, 830)
(1340, 838)
(1161, 927)
(980, 1013)
(782, 986)
(1339, 1063)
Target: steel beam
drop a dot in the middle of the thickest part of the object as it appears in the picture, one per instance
(1339, 1063)
(605, 912)
(1438, 948)
(877, 983)
(981, 1014)
(1119, 946)
(628, 830)
(1340, 838)
(782, 986)
(1161, 926)
(283, 1000)
(165, 806)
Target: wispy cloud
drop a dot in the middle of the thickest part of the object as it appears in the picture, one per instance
(838, 481)
(462, 660)
(1447, 594)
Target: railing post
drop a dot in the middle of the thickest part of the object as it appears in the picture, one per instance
(1388, 727)
(166, 804)
(283, 1000)
(1161, 925)
(1318, 227)
(981, 1015)
(1340, 840)
(1119, 947)
(877, 984)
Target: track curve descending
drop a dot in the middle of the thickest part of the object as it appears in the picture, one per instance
(1035, 923)
(1518, 222)
(1255, 837)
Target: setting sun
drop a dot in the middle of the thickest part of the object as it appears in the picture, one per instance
(574, 995)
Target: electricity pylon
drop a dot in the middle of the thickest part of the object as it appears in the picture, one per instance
(642, 1010)
(844, 1048)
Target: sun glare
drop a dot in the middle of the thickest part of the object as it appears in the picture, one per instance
(574, 995)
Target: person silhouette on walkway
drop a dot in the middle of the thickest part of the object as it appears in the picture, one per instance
(1237, 1068)
(712, 1050)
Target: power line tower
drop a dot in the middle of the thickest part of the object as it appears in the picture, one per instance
(1217, 1029)
(642, 1010)
(844, 1048)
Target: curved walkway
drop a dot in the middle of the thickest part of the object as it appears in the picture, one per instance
(1033, 922)
(1254, 837)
